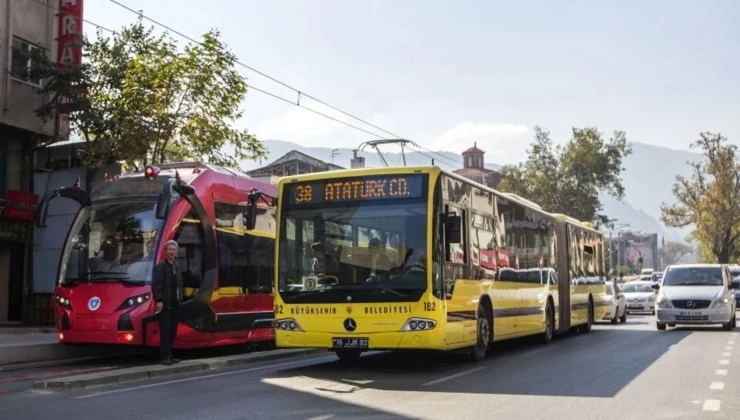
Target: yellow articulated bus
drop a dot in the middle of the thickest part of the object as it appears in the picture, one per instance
(417, 258)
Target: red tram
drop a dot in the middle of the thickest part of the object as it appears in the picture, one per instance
(103, 292)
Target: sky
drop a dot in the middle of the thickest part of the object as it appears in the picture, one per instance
(447, 74)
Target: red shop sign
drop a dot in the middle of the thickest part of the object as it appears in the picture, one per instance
(20, 205)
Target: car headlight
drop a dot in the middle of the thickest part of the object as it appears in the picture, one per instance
(663, 303)
(721, 303)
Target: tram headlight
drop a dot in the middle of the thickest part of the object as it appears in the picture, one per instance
(63, 302)
(288, 324)
(135, 301)
(419, 324)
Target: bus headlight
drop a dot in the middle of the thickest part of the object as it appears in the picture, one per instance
(134, 301)
(63, 302)
(419, 324)
(287, 324)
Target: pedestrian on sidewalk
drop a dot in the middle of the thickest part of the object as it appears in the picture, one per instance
(167, 291)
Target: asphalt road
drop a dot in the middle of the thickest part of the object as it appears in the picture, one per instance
(624, 371)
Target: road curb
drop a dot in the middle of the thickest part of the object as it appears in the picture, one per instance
(120, 376)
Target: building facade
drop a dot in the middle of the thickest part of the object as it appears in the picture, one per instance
(474, 168)
(24, 26)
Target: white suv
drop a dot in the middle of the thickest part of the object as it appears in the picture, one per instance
(695, 294)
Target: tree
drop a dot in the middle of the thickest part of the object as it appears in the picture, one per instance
(568, 179)
(146, 101)
(710, 199)
(674, 252)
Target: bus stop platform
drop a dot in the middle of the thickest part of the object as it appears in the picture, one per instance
(21, 346)
(156, 371)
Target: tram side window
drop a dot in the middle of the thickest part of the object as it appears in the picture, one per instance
(189, 237)
(261, 262)
(232, 255)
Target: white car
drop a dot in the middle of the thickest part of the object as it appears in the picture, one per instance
(696, 294)
(640, 296)
(617, 308)
(646, 274)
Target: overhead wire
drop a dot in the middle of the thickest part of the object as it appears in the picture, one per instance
(444, 159)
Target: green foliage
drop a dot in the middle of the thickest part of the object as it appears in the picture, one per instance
(710, 199)
(568, 179)
(674, 252)
(150, 101)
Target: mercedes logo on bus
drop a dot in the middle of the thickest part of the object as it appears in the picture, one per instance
(690, 304)
(350, 324)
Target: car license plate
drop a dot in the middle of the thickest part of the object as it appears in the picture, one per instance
(634, 306)
(689, 313)
(350, 343)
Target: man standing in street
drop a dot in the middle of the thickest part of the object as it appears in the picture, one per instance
(167, 291)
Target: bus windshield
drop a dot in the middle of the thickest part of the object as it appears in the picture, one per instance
(363, 251)
(111, 242)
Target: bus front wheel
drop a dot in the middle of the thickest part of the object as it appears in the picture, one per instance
(483, 335)
(348, 356)
(549, 323)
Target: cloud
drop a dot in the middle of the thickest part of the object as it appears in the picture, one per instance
(503, 143)
(299, 124)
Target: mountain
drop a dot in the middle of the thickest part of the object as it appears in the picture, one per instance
(648, 177)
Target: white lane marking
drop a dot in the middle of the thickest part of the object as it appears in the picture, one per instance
(728, 348)
(711, 405)
(731, 343)
(455, 376)
(324, 417)
(721, 372)
(197, 378)
(724, 362)
(717, 386)
(726, 354)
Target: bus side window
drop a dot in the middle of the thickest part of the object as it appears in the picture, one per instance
(189, 237)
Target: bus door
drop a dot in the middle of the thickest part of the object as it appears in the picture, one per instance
(563, 277)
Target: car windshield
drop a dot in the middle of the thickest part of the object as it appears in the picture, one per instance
(373, 249)
(694, 276)
(637, 288)
(111, 242)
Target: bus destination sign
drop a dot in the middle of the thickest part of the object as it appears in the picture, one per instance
(356, 189)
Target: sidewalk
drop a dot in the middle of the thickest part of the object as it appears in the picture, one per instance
(152, 371)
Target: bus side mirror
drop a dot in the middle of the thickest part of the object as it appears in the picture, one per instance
(250, 215)
(453, 231)
(163, 205)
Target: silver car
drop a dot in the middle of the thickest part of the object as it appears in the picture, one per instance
(696, 294)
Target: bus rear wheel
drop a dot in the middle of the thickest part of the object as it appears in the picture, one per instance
(483, 335)
(348, 356)
(586, 328)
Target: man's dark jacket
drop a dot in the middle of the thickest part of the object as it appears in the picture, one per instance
(163, 289)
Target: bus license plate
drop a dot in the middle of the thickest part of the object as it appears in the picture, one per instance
(350, 343)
